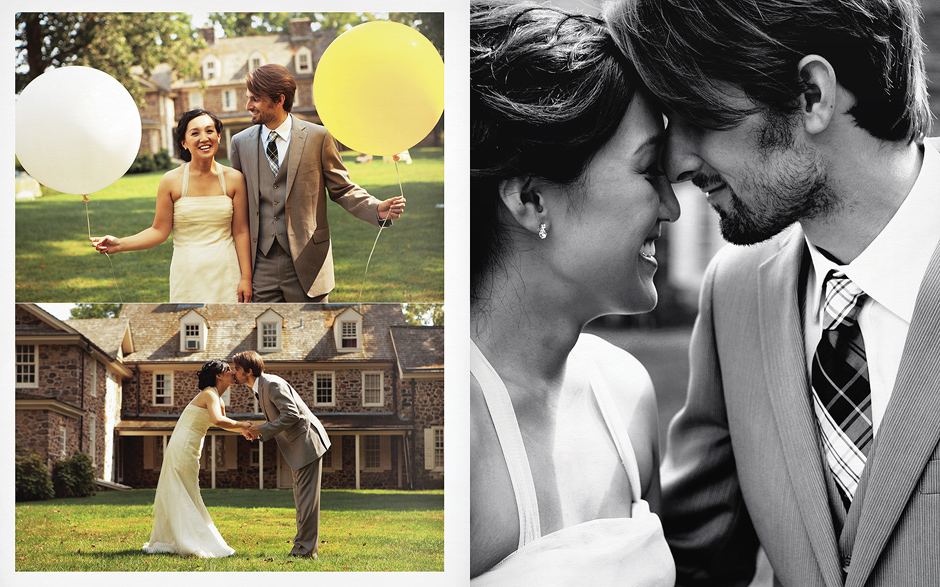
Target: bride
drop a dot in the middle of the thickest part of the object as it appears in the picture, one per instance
(181, 523)
(205, 205)
(567, 202)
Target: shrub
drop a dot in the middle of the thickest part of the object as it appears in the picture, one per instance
(74, 476)
(162, 159)
(142, 164)
(32, 477)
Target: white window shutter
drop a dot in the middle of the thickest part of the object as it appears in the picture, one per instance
(428, 448)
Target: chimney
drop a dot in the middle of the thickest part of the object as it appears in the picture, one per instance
(300, 29)
(208, 33)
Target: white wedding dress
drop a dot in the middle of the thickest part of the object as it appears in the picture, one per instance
(181, 523)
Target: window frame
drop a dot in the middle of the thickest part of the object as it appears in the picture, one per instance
(381, 389)
(316, 388)
(167, 385)
(33, 364)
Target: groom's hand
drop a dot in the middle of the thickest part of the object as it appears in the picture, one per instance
(254, 431)
(391, 208)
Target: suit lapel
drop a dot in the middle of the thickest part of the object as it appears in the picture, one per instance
(250, 166)
(298, 138)
(909, 431)
(263, 395)
(781, 335)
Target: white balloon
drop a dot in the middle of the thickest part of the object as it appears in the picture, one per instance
(77, 129)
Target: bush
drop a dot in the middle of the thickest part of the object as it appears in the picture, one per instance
(143, 163)
(74, 476)
(32, 477)
(162, 159)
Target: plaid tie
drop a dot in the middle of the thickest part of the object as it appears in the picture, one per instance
(271, 152)
(841, 392)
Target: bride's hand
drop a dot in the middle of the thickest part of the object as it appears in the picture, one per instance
(244, 291)
(106, 244)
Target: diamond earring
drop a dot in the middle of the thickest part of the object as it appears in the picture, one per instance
(542, 231)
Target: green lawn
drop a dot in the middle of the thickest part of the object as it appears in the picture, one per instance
(364, 531)
(55, 262)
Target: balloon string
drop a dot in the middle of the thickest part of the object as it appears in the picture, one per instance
(381, 226)
(108, 255)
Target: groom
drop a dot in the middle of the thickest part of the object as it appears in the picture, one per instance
(289, 165)
(300, 438)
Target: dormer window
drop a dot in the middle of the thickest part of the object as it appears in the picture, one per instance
(347, 331)
(270, 332)
(193, 329)
(303, 60)
(255, 61)
(211, 68)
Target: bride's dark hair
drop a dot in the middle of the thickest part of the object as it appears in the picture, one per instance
(180, 132)
(547, 90)
(208, 373)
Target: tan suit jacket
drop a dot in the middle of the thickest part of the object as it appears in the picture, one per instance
(300, 436)
(744, 466)
(314, 166)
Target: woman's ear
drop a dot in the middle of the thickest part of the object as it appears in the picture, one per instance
(818, 102)
(523, 200)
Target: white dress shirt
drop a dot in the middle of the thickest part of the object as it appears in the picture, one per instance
(890, 270)
(283, 138)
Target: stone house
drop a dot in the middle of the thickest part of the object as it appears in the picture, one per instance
(117, 386)
(220, 89)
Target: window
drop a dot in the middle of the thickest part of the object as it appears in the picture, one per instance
(270, 329)
(350, 335)
(193, 332)
(269, 335)
(209, 70)
(93, 435)
(326, 461)
(325, 383)
(63, 442)
(333, 459)
(373, 452)
(372, 389)
(255, 457)
(256, 63)
(434, 448)
(26, 365)
(163, 389)
(229, 100)
(195, 100)
(93, 389)
(303, 62)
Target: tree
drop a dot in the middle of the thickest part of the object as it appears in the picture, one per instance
(95, 311)
(423, 314)
(113, 42)
(239, 24)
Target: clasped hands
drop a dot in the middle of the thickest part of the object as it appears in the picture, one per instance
(250, 431)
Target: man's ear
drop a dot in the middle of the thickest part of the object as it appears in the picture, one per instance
(522, 199)
(818, 102)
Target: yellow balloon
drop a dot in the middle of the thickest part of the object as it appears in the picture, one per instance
(379, 88)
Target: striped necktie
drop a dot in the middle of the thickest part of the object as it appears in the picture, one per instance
(841, 391)
(271, 152)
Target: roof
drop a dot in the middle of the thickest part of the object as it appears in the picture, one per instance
(419, 349)
(306, 330)
(107, 333)
(233, 54)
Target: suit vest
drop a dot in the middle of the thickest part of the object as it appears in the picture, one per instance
(272, 217)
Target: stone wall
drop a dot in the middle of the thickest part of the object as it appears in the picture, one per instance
(39, 431)
(428, 409)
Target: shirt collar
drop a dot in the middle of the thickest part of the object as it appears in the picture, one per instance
(254, 386)
(283, 131)
(891, 268)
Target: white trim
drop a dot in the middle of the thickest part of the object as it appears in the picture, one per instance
(167, 388)
(29, 377)
(93, 388)
(63, 441)
(303, 51)
(215, 71)
(93, 439)
(267, 319)
(431, 446)
(381, 400)
(193, 332)
(316, 388)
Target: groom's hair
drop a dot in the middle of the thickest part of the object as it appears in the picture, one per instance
(250, 361)
(691, 52)
(272, 80)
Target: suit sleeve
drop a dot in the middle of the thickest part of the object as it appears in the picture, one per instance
(356, 200)
(288, 413)
(234, 158)
(704, 516)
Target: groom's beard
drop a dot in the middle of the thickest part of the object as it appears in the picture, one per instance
(789, 186)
